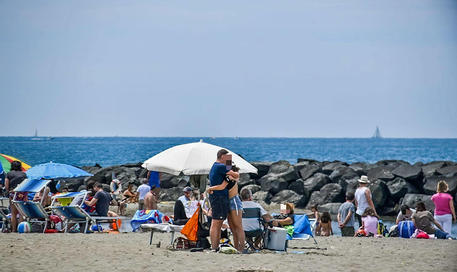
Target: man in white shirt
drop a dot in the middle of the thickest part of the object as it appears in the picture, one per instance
(187, 202)
(251, 224)
(141, 193)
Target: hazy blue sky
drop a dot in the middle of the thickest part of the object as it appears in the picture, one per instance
(229, 68)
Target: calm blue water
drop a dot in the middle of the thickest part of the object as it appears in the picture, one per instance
(82, 151)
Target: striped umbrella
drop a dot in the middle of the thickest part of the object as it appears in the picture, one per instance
(6, 161)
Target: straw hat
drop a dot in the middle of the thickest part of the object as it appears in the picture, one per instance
(364, 179)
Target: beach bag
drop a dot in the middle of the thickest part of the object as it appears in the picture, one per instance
(190, 229)
(406, 229)
(382, 230)
(393, 232)
(181, 243)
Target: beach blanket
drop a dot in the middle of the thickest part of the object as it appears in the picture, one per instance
(148, 216)
(302, 227)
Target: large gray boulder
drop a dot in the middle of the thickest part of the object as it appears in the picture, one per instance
(408, 172)
(306, 169)
(262, 168)
(168, 181)
(298, 186)
(290, 196)
(431, 182)
(262, 197)
(253, 187)
(316, 182)
(273, 183)
(170, 194)
(379, 193)
(359, 167)
(343, 173)
(245, 179)
(412, 199)
(430, 169)
(279, 167)
(381, 172)
(332, 166)
(448, 171)
(349, 185)
(331, 208)
(397, 188)
(329, 193)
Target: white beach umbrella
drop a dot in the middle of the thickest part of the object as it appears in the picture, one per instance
(192, 159)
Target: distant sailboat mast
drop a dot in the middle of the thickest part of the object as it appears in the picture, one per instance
(36, 133)
(377, 133)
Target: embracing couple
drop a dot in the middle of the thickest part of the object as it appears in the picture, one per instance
(224, 199)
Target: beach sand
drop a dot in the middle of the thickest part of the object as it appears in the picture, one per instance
(131, 252)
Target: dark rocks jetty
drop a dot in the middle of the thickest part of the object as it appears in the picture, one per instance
(310, 182)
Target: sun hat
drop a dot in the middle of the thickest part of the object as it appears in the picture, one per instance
(364, 179)
(187, 189)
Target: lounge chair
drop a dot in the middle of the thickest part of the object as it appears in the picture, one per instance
(252, 235)
(74, 213)
(33, 212)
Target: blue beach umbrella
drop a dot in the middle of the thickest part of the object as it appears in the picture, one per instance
(53, 170)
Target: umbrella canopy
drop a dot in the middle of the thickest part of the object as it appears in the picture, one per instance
(192, 159)
(6, 161)
(53, 170)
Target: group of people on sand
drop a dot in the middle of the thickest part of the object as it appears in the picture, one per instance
(359, 206)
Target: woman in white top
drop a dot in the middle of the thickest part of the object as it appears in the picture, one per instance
(363, 198)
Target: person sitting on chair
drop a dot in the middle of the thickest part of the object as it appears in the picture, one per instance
(286, 218)
(252, 224)
(101, 200)
(151, 199)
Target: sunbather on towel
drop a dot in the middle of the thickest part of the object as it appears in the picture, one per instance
(101, 200)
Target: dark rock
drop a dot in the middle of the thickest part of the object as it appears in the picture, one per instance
(397, 188)
(381, 173)
(278, 185)
(331, 208)
(168, 181)
(262, 168)
(106, 188)
(343, 173)
(379, 193)
(309, 161)
(330, 167)
(279, 167)
(289, 196)
(448, 171)
(307, 171)
(431, 168)
(80, 188)
(245, 179)
(408, 172)
(412, 199)
(359, 167)
(391, 164)
(254, 188)
(171, 194)
(329, 193)
(72, 184)
(262, 196)
(298, 187)
(349, 185)
(388, 211)
(316, 182)
(431, 182)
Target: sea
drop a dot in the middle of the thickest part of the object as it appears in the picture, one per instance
(107, 151)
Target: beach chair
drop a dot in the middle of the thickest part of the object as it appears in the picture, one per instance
(33, 212)
(259, 233)
(303, 228)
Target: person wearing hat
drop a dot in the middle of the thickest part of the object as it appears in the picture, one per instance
(363, 198)
(182, 207)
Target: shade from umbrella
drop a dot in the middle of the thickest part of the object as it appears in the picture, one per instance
(192, 159)
(53, 170)
(6, 161)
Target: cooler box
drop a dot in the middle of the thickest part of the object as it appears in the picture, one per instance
(276, 239)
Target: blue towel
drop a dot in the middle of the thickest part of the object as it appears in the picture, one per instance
(302, 227)
(145, 216)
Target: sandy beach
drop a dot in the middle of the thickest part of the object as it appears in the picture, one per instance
(131, 252)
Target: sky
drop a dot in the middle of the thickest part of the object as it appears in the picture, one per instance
(229, 68)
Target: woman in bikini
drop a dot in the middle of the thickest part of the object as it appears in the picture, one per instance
(236, 209)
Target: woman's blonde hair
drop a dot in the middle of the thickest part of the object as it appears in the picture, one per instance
(442, 187)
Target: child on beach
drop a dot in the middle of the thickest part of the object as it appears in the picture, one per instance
(346, 216)
(369, 223)
(324, 228)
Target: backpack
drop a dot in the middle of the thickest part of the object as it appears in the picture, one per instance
(406, 229)
(182, 243)
(382, 230)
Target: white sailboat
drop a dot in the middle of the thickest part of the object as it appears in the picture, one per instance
(377, 134)
(37, 138)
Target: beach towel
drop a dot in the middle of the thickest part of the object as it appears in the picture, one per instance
(301, 227)
(191, 227)
(148, 216)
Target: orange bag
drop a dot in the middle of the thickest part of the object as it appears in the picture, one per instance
(191, 227)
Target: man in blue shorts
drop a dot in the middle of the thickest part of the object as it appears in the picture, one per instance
(219, 199)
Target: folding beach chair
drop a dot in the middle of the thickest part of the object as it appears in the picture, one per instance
(74, 213)
(253, 235)
(33, 212)
(303, 228)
